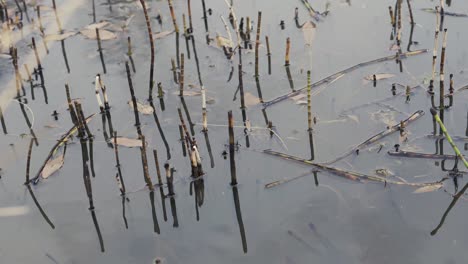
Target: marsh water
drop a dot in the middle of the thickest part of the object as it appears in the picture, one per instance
(322, 219)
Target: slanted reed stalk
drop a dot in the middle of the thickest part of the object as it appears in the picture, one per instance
(267, 40)
(26, 68)
(41, 28)
(101, 55)
(132, 94)
(158, 169)
(39, 69)
(241, 82)
(189, 9)
(182, 141)
(186, 36)
(451, 91)
(181, 76)
(257, 42)
(442, 71)
(205, 17)
(130, 53)
(232, 148)
(150, 36)
(71, 109)
(2, 120)
(176, 29)
(288, 47)
(144, 160)
(118, 166)
(410, 12)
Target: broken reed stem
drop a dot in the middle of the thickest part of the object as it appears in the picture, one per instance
(434, 51)
(98, 95)
(247, 34)
(101, 55)
(158, 170)
(204, 114)
(132, 94)
(392, 18)
(174, 22)
(120, 180)
(181, 76)
(2, 120)
(182, 122)
(257, 42)
(288, 47)
(104, 94)
(267, 40)
(182, 141)
(129, 53)
(442, 71)
(309, 102)
(150, 36)
(189, 7)
(241, 82)
(174, 71)
(232, 148)
(144, 160)
(410, 12)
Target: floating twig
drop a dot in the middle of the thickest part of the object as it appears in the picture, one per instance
(339, 74)
(350, 175)
(379, 136)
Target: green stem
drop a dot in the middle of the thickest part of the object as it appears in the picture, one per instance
(449, 139)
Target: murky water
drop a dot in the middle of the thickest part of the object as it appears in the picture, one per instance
(336, 221)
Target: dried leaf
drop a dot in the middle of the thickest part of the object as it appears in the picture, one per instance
(379, 76)
(97, 25)
(52, 166)
(299, 97)
(163, 34)
(308, 30)
(13, 211)
(142, 108)
(301, 102)
(429, 188)
(129, 142)
(59, 37)
(250, 99)
(189, 93)
(223, 42)
(103, 34)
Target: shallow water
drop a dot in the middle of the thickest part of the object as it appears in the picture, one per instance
(337, 221)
